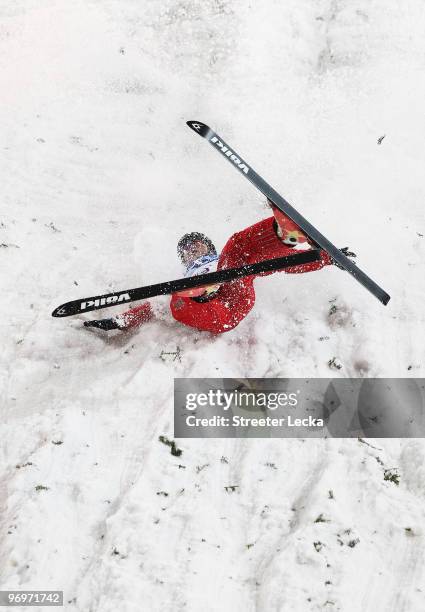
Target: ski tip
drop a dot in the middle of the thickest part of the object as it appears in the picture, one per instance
(200, 128)
(60, 311)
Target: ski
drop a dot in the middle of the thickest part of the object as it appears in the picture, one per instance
(236, 160)
(211, 278)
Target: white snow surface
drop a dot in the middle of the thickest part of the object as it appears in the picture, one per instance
(100, 177)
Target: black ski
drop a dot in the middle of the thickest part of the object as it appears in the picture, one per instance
(211, 278)
(218, 143)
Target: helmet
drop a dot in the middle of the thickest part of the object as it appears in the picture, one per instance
(189, 239)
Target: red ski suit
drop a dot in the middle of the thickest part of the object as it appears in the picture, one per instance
(233, 301)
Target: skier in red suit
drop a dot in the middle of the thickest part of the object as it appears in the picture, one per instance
(218, 309)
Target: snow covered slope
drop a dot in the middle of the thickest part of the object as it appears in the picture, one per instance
(100, 177)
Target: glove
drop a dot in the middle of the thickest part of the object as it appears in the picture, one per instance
(106, 324)
(347, 253)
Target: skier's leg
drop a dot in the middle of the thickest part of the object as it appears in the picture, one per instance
(126, 320)
(135, 316)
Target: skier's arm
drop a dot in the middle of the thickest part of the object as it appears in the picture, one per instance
(237, 253)
(325, 260)
(234, 253)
